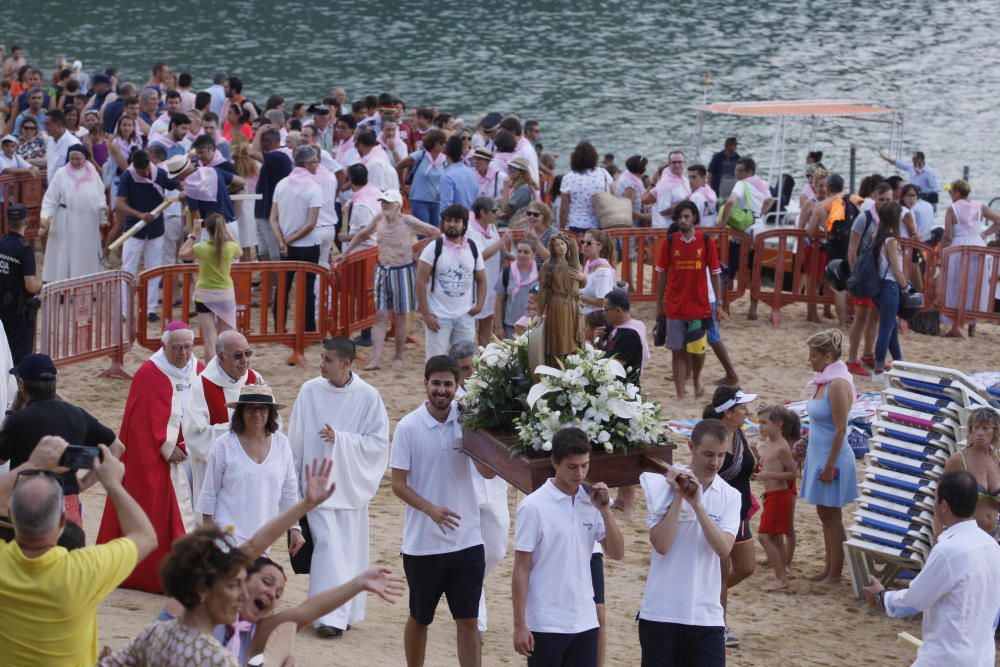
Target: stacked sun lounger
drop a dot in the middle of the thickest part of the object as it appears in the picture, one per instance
(917, 427)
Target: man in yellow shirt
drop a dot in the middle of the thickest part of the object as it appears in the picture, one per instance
(49, 596)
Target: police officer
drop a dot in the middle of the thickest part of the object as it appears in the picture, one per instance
(18, 285)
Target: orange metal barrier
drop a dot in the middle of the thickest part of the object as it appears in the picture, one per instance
(352, 290)
(786, 253)
(911, 248)
(545, 188)
(254, 320)
(27, 190)
(84, 318)
(973, 297)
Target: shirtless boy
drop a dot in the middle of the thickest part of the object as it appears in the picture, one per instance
(779, 427)
(395, 274)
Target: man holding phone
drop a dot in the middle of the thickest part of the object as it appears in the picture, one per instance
(37, 411)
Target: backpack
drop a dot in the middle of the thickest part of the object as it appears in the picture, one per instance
(864, 280)
(439, 246)
(839, 236)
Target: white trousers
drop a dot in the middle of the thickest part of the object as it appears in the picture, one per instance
(340, 553)
(173, 238)
(494, 522)
(151, 253)
(327, 235)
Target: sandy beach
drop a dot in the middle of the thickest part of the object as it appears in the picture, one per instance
(805, 624)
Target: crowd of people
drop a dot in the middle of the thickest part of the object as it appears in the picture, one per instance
(215, 178)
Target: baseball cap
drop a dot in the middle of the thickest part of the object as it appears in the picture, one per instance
(8, 137)
(101, 77)
(391, 196)
(17, 212)
(35, 367)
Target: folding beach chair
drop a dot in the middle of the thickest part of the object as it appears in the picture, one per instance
(922, 437)
(896, 510)
(921, 402)
(955, 376)
(922, 498)
(924, 470)
(931, 453)
(885, 563)
(899, 527)
(920, 419)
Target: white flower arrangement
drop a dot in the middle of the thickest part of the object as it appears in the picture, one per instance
(589, 392)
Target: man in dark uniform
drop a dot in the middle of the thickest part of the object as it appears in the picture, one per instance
(18, 285)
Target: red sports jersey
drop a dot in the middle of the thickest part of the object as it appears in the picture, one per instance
(685, 260)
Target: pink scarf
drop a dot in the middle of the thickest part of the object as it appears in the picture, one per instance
(139, 178)
(487, 232)
(709, 195)
(81, 176)
(324, 177)
(594, 264)
(343, 148)
(633, 182)
(522, 143)
(433, 162)
(759, 185)
(640, 328)
(367, 196)
(300, 179)
(486, 182)
(668, 181)
(216, 160)
(374, 154)
(835, 371)
(515, 274)
(202, 184)
(501, 160)
(233, 645)
(454, 248)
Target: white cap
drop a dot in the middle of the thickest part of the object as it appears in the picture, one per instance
(391, 196)
(77, 64)
(8, 137)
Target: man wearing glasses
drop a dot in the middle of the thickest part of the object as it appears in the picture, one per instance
(671, 188)
(49, 597)
(206, 416)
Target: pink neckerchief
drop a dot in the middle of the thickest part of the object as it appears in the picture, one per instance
(835, 371)
(216, 160)
(486, 181)
(709, 195)
(139, 178)
(324, 177)
(634, 181)
(501, 160)
(81, 176)
(202, 184)
(343, 148)
(300, 179)
(233, 645)
(454, 248)
(758, 185)
(366, 196)
(516, 275)
(163, 140)
(433, 162)
(639, 327)
(597, 263)
(487, 232)
(374, 154)
(668, 181)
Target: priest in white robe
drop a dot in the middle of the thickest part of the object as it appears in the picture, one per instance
(340, 417)
(206, 417)
(75, 208)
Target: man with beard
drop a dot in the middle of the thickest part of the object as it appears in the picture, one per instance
(176, 132)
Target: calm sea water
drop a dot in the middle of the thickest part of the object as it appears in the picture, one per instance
(622, 74)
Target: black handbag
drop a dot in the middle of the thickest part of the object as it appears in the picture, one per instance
(303, 559)
(660, 331)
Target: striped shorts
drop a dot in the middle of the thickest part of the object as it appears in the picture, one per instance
(394, 288)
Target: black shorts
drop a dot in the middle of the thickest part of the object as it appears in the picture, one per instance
(457, 575)
(744, 534)
(199, 307)
(597, 577)
(677, 644)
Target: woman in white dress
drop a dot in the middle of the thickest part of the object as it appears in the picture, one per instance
(598, 252)
(963, 226)
(73, 211)
(250, 477)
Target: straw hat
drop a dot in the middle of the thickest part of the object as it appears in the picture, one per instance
(520, 163)
(177, 165)
(255, 394)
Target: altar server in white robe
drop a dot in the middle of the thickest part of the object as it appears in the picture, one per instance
(340, 417)
(73, 211)
(206, 415)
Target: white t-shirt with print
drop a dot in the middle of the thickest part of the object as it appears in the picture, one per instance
(580, 187)
(454, 280)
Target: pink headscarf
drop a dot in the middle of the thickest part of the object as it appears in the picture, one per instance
(81, 176)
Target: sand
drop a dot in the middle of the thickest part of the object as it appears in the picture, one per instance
(804, 624)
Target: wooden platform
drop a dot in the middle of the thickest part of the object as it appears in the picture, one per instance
(492, 449)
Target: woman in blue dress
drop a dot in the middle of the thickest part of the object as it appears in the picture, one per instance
(829, 479)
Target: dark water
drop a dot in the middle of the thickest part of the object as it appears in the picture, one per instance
(622, 74)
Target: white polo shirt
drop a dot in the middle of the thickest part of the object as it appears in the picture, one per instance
(559, 531)
(293, 210)
(438, 470)
(684, 585)
(667, 197)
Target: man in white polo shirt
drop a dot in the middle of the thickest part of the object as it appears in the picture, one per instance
(442, 544)
(693, 518)
(670, 189)
(555, 618)
(294, 216)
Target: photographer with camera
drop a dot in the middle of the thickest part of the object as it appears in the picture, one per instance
(37, 411)
(48, 596)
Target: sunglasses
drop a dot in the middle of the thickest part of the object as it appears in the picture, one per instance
(242, 355)
(533, 214)
(29, 127)
(589, 242)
